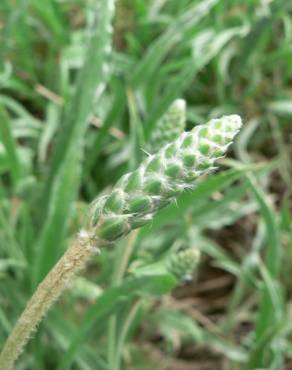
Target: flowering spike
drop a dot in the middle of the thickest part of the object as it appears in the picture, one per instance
(170, 126)
(138, 195)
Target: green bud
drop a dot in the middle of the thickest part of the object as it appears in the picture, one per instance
(188, 142)
(173, 170)
(170, 150)
(140, 204)
(153, 186)
(189, 159)
(115, 202)
(204, 148)
(154, 165)
(133, 181)
(137, 222)
(112, 228)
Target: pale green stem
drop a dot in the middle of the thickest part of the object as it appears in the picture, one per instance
(124, 332)
(121, 266)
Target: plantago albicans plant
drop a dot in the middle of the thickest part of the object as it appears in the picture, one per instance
(132, 203)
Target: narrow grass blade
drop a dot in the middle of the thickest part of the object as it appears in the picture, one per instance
(268, 311)
(6, 137)
(65, 170)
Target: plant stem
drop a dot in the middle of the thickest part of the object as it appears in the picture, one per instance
(124, 332)
(46, 294)
(126, 254)
(121, 266)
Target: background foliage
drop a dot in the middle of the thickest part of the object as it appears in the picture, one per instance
(77, 104)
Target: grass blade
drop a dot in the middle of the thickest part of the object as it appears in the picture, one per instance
(65, 170)
(10, 145)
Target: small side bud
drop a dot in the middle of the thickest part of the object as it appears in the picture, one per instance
(183, 264)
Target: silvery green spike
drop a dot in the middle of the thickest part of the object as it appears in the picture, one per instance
(161, 177)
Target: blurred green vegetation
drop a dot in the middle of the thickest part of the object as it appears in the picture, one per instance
(77, 106)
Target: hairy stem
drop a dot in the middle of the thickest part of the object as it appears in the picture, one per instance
(46, 294)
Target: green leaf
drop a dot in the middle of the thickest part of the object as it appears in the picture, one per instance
(206, 45)
(171, 36)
